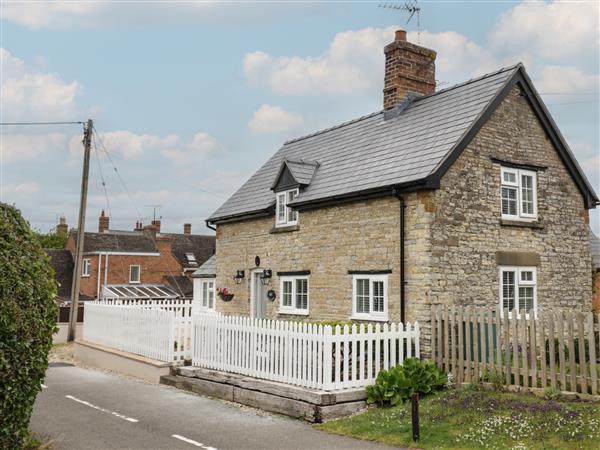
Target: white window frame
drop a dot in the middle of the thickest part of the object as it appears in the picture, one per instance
(519, 282)
(382, 316)
(205, 294)
(283, 213)
(86, 267)
(519, 173)
(138, 281)
(291, 309)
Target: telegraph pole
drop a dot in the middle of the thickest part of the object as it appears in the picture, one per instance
(87, 144)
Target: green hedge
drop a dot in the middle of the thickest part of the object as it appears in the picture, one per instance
(28, 314)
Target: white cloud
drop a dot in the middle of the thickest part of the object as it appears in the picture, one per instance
(354, 62)
(201, 147)
(26, 188)
(273, 119)
(554, 30)
(126, 144)
(566, 80)
(29, 147)
(32, 95)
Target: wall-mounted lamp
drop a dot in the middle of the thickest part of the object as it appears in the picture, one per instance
(239, 276)
(265, 276)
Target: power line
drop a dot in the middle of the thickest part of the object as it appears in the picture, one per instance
(40, 123)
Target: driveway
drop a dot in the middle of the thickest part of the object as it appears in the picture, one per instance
(87, 409)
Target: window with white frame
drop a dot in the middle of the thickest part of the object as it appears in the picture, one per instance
(519, 194)
(369, 297)
(518, 289)
(86, 267)
(293, 295)
(284, 214)
(134, 273)
(207, 300)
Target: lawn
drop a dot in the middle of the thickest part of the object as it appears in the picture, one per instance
(480, 419)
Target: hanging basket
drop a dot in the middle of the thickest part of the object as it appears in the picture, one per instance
(226, 297)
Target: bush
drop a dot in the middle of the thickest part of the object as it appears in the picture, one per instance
(28, 315)
(398, 384)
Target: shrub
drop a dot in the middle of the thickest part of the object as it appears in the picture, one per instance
(28, 315)
(399, 383)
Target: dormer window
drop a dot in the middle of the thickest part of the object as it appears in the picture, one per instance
(191, 259)
(285, 215)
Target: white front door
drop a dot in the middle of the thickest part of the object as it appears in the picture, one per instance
(258, 297)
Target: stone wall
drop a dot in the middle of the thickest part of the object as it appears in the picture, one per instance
(467, 231)
(329, 242)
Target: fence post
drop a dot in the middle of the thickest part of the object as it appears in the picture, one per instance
(327, 365)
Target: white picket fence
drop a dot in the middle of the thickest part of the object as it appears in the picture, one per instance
(309, 355)
(181, 306)
(155, 332)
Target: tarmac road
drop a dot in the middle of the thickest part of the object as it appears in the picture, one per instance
(87, 409)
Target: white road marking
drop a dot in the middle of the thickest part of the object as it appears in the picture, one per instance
(190, 441)
(83, 402)
(44, 386)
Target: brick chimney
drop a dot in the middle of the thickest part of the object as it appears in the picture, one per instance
(187, 228)
(156, 225)
(62, 228)
(409, 68)
(103, 221)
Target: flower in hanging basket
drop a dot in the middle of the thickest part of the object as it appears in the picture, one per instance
(224, 294)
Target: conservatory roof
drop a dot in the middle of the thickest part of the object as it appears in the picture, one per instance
(147, 291)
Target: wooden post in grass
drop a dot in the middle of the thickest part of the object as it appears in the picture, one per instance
(415, 417)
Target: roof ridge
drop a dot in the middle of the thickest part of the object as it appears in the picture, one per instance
(350, 122)
(340, 125)
(469, 81)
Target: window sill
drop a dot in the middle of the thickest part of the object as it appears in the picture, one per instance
(295, 312)
(85, 276)
(284, 229)
(522, 223)
(370, 318)
(134, 282)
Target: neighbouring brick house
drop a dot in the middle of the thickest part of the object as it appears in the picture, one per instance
(142, 256)
(468, 195)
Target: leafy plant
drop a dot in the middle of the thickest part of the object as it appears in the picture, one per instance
(27, 321)
(399, 383)
(552, 393)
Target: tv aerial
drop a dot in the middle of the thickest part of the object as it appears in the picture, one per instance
(412, 8)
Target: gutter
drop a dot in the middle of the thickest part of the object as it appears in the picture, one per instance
(209, 226)
(398, 195)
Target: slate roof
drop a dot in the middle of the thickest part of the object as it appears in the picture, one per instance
(595, 249)
(203, 247)
(63, 264)
(119, 241)
(302, 170)
(180, 284)
(376, 152)
(208, 269)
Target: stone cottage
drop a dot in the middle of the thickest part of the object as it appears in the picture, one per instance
(468, 195)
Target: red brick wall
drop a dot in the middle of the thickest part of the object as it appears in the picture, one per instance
(596, 296)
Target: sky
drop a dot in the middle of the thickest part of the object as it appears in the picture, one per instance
(189, 99)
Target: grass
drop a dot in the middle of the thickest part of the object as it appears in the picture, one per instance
(61, 353)
(478, 419)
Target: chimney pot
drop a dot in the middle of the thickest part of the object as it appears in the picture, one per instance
(187, 228)
(400, 35)
(409, 70)
(103, 223)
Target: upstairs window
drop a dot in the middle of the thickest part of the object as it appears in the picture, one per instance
(518, 289)
(134, 274)
(519, 194)
(294, 295)
(191, 259)
(369, 297)
(285, 215)
(86, 267)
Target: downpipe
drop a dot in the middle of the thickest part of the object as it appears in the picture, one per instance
(400, 198)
